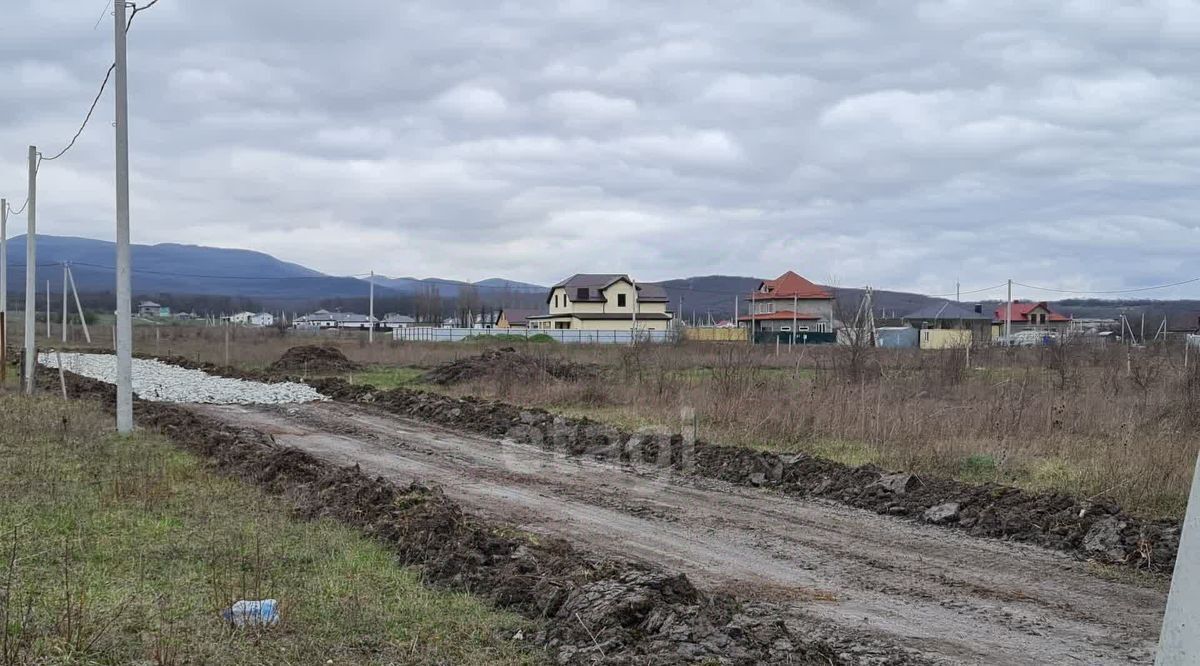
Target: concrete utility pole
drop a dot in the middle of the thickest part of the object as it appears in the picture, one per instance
(3, 257)
(1179, 642)
(3, 290)
(49, 333)
(371, 311)
(1008, 317)
(124, 302)
(633, 331)
(82, 319)
(64, 318)
(31, 274)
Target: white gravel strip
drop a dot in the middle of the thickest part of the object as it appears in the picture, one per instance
(160, 382)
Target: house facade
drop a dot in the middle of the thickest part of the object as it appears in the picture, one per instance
(949, 324)
(152, 309)
(1028, 316)
(789, 300)
(604, 301)
(393, 321)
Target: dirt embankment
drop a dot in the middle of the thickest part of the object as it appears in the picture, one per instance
(589, 610)
(508, 363)
(1097, 529)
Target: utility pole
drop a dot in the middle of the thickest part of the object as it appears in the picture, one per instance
(48, 331)
(4, 292)
(31, 274)
(633, 330)
(957, 291)
(795, 304)
(82, 319)
(64, 318)
(1179, 642)
(1008, 317)
(371, 311)
(124, 302)
(3, 258)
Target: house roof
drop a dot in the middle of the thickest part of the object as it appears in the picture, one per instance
(596, 283)
(781, 315)
(789, 285)
(519, 315)
(149, 304)
(340, 317)
(1021, 310)
(399, 318)
(946, 310)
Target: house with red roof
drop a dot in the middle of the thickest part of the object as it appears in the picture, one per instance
(788, 301)
(1029, 316)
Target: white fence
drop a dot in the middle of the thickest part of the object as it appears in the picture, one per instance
(613, 337)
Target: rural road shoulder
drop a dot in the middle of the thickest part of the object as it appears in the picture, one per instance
(951, 597)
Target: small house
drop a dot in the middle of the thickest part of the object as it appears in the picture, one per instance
(789, 304)
(1028, 316)
(153, 310)
(516, 317)
(949, 324)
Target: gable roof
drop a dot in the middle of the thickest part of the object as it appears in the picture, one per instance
(518, 315)
(596, 283)
(1020, 312)
(789, 285)
(946, 311)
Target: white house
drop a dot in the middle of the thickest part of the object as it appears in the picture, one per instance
(326, 319)
(262, 319)
(398, 321)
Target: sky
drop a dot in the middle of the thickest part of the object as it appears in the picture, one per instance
(903, 145)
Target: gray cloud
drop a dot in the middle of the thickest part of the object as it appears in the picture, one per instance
(904, 146)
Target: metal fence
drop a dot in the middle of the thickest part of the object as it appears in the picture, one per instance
(610, 337)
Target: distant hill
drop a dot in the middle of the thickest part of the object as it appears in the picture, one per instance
(179, 269)
(451, 288)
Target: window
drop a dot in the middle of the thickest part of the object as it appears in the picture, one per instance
(802, 329)
(562, 324)
(764, 308)
(556, 300)
(620, 300)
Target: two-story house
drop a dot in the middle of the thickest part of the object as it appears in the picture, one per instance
(789, 300)
(1028, 316)
(609, 301)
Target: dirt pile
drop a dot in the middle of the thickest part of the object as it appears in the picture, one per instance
(314, 359)
(508, 363)
(1091, 529)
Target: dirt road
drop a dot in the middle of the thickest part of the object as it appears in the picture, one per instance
(953, 598)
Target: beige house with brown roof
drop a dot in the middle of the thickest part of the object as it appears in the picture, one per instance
(604, 302)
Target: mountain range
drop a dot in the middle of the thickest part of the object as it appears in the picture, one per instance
(168, 271)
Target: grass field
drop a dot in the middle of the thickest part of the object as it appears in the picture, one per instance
(120, 551)
(1089, 420)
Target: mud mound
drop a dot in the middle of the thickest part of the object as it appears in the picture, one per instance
(313, 359)
(1093, 529)
(508, 363)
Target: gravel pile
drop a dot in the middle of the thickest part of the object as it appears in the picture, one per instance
(159, 382)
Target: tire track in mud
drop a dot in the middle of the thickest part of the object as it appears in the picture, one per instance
(950, 597)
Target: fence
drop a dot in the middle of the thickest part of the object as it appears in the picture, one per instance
(576, 336)
(799, 338)
(714, 334)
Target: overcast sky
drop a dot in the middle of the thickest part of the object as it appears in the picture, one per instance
(899, 144)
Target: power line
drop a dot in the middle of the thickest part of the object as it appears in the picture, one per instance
(1110, 291)
(103, 85)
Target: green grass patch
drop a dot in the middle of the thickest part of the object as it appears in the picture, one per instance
(389, 377)
(124, 550)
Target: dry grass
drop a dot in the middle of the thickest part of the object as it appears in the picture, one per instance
(1080, 419)
(120, 551)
